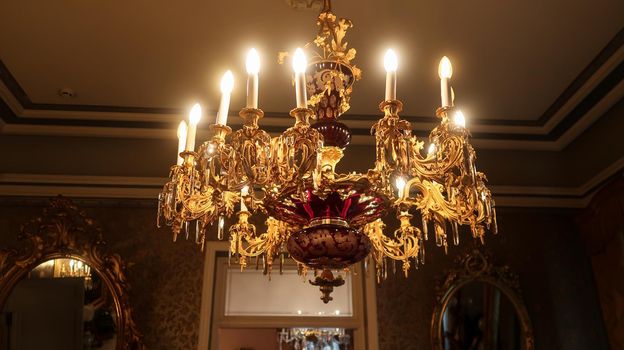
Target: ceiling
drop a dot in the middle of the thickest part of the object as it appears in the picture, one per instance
(512, 59)
(529, 75)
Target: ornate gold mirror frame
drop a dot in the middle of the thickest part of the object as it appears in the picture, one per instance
(64, 231)
(476, 266)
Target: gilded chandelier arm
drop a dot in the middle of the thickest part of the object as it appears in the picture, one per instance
(407, 244)
(251, 152)
(244, 243)
(294, 153)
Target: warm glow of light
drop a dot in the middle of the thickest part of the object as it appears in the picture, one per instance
(391, 62)
(227, 83)
(299, 312)
(195, 115)
(253, 62)
(400, 184)
(182, 130)
(432, 149)
(300, 63)
(337, 312)
(459, 119)
(445, 69)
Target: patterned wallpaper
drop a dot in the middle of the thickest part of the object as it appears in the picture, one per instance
(602, 229)
(166, 278)
(542, 246)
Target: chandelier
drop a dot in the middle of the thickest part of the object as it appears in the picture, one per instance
(324, 220)
(314, 338)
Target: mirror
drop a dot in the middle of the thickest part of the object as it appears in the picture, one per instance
(61, 289)
(479, 307)
(60, 301)
(480, 316)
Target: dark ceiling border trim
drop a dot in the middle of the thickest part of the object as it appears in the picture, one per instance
(14, 199)
(612, 46)
(602, 89)
(608, 83)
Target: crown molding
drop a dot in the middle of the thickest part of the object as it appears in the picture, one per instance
(360, 129)
(83, 186)
(596, 89)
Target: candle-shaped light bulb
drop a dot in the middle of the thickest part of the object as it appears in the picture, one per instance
(391, 63)
(445, 71)
(227, 84)
(253, 62)
(300, 65)
(459, 119)
(244, 193)
(253, 67)
(182, 132)
(400, 185)
(194, 118)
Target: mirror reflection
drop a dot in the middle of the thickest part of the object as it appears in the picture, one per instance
(61, 304)
(478, 315)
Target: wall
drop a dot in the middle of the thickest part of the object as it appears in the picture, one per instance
(602, 229)
(165, 277)
(542, 246)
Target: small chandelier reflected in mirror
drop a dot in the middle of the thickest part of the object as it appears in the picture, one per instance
(324, 220)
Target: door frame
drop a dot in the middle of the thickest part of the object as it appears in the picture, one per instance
(363, 322)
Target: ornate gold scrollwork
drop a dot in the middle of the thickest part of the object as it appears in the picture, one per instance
(64, 231)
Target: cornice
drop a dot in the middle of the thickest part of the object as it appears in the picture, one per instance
(596, 89)
(82, 186)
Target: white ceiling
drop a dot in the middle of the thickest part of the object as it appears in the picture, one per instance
(511, 58)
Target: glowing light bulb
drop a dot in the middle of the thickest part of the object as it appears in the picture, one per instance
(299, 62)
(391, 62)
(400, 185)
(182, 134)
(195, 115)
(337, 312)
(299, 312)
(300, 65)
(459, 119)
(194, 118)
(253, 67)
(182, 130)
(227, 83)
(432, 149)
(244, 192)
(445, 69)
(253, 62)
